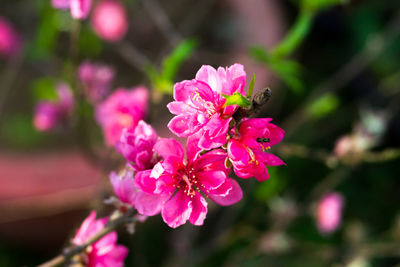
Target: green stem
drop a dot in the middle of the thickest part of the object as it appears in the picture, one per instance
(296, 34)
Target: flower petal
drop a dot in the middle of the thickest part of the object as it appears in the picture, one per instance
(169, 147)
(237, 151)
(269, 159)
(80, 8)
(199, 211)
(211, 179)
(275, 134)
(145, 182)
(209, 75)
(124, 187)
(148, 204)
(233, 79)
(234, 195)
(183, 125)
(177, 210)
(177, 108)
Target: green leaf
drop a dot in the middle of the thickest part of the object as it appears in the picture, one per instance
(90, 44)
(287, 70)
(237, 99)
(44, 89)
(17, 131)
(172, 63)
(296, 34)
(46, 35)
(316, 5)
(158, 82)
(251, 87)
(323, 106)
(260, 54)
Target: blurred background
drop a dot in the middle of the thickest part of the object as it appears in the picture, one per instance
(333, 67)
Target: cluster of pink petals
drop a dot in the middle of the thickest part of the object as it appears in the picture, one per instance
(137, 146)
(109, 20)
(329, 212)
(105, 252)
(122, 109)
(49, 114)
(10, 40)
(79, 8)
(127, 192)
(199, 104)
(96, 79)
(247, 148)
(178, 185)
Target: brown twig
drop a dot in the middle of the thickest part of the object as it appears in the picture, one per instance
(162, 21)
(259, 100)
(297, 150)
(8, 77)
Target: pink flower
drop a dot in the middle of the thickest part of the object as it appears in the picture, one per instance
(49, 114)
(79, 8)
(60, 4)
(46, 116)
(104, 252)
(122, 109)
(247, 148)
(329, 212)
(96, 79)
(127, 192)
(179, 184)
(10, 40)
(199, 104)
(109, 20)
(137, 146)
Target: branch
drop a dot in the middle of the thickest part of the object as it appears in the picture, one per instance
(376, 44)
(162, 21)
(331, 161)
(259, 100)
(68, 253)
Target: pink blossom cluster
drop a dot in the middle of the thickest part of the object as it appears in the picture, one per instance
(50, 114)
(10, 40)
(161, 177)
(96, 80)
(105, 251)
(124, 108)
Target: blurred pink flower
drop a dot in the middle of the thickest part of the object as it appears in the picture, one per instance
(199, 104)
(104, 252)
(178, 182)
(122, 109)
(10, 40)
(247, 148)
(329, 212)
(49, 114)
(137, 146)
(60, 4)
(46, 116)
(96, 79)
(109, 20)
(79, 8)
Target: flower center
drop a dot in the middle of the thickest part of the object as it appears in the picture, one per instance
(125, 120)
(202, 105)
(263, 140)
(252, 156)
(187, 182)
